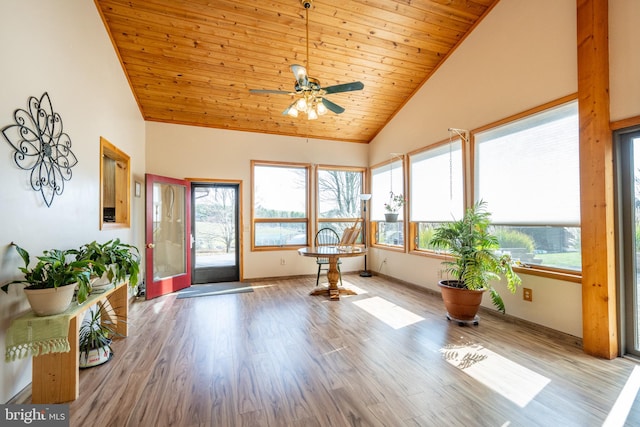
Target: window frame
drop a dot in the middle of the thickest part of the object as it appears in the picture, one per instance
(528, 268)
(115, 186)
(414, 224)
(305, 220)
(345, 221)
(375, 224)
(469, 171)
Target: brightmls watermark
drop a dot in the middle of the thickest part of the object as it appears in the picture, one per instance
(34, 415)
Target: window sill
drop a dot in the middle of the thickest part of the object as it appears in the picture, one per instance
(575, 277)
(568, 276)
(388, 247)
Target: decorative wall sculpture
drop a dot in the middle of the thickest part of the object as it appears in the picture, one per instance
(41, 147)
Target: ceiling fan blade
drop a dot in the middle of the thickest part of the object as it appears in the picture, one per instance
(301, 75)
(345, 87)
(283, 92)
(332, 106)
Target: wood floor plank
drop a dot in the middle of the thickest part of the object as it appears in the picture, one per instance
(279, 357)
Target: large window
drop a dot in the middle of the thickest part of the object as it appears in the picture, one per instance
(528, 173)
(338, 199)
(387, 180)
(437, 190)
(280, 205)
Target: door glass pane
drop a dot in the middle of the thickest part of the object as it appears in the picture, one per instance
(169, 222)
(215, 226)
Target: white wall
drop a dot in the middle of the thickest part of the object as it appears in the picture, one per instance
(523, 54)
(624, 58)
(196, 152)
(59, 47)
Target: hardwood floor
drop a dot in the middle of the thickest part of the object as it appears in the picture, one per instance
(279, 357)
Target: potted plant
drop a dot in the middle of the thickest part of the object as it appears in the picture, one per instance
(476, 262)
(94, 342)
(52, 281)
(113, 259)
(395, 203)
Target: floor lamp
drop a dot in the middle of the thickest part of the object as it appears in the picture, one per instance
(365, 198)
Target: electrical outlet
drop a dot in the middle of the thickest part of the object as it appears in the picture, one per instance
(527, 294)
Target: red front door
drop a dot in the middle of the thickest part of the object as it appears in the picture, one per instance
(168, 235)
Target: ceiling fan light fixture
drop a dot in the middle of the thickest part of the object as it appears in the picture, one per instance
(307, 90)
(301, 105)
(322, 110)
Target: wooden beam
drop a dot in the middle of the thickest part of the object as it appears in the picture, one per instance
(596, 182)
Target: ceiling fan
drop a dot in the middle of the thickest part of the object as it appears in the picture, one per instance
(310, 94)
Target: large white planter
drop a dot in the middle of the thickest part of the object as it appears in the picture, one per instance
(46, 302)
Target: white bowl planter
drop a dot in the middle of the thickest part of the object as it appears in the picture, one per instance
(46, 302)
(102, 281)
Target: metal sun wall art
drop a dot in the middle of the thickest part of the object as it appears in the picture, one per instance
(42, 147)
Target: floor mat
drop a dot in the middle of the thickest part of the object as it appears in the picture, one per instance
(215, 289)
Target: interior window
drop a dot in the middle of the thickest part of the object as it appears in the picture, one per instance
(115, 186)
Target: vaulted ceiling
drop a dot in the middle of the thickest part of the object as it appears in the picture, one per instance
(194, 61)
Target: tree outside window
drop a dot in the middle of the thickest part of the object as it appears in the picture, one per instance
(339, 192)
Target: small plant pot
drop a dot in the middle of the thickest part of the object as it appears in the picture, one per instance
(95, 357)
(391, 217)
(50, 301)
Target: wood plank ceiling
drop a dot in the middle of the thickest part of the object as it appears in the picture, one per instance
(193, 61)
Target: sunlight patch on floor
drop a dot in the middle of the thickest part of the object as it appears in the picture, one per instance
(353, 287)
(391, 314)
(620, 411)
(262, 286)
(157, 306)
(512, 380)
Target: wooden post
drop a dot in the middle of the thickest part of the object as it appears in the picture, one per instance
(599, 310)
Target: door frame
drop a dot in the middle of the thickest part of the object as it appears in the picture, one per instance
(627, 265)
(240, 224)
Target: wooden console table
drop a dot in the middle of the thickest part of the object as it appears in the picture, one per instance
(55, 375)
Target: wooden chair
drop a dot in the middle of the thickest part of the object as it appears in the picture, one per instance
(326, 237)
